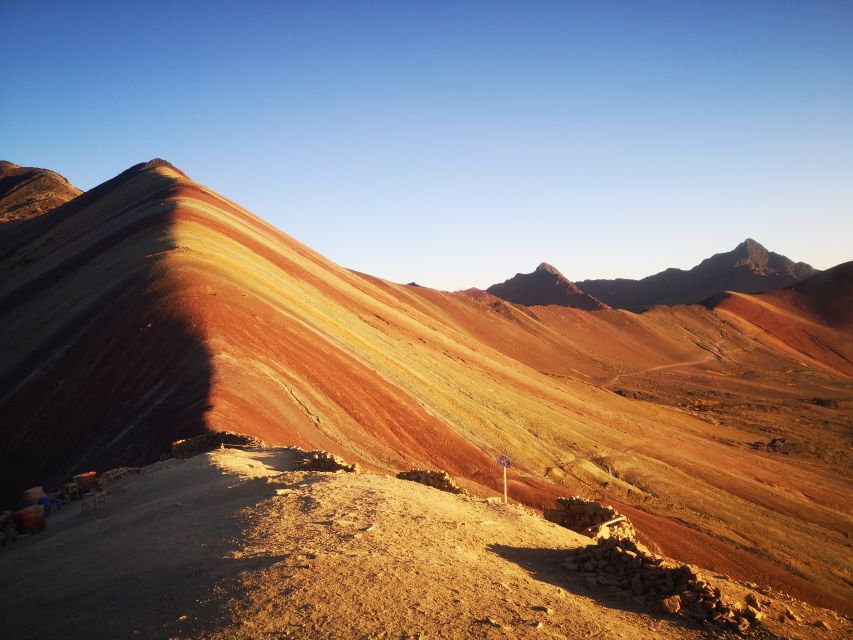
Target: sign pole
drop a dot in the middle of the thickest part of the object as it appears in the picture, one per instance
(504, 462)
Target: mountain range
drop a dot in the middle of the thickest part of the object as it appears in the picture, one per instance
(151, 308)
(748, 268)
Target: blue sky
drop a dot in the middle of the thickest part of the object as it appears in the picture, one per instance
(458, 143)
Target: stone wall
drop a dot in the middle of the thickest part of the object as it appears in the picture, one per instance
(588, 517)
(435, 478)
(210, 441)
(628, 570)
(325, 461)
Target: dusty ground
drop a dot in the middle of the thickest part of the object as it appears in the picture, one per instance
(236, 544)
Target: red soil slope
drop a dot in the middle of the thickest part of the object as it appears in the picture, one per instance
(812, 319)
(152, 308)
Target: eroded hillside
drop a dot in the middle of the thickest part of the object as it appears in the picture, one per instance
(154, 308)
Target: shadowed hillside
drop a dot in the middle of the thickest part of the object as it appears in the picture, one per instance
(748, 268)
(102, 364)
(544, 286)
(153, 308)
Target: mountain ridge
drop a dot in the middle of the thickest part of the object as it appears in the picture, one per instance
(29, 192)
(748, 268)
(544, 286)
(153, 308)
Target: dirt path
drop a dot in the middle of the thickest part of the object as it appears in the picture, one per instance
(373, 557)
(661, 367)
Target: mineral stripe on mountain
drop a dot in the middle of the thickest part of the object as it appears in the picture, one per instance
(151, 309)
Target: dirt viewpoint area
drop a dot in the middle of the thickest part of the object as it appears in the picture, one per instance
(241, 544)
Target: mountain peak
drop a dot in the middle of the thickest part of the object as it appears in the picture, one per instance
(752, 252)
(748, 268)
(546, 285)
(544, 267)
(154, 163)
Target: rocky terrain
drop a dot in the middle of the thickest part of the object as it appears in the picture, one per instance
(241, 543)
(151, 310)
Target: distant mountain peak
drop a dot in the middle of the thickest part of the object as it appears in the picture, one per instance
(751, 253)
(544, 267)
(748, 268)
(544, 286)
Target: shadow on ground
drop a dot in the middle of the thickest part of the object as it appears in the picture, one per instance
(545, 565)
(151, 565)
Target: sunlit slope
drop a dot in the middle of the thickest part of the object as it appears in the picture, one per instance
(305, 351)
(812, 320)
(155, 309)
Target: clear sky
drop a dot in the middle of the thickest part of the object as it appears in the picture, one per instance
(458, 143)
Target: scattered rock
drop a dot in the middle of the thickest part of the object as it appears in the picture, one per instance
(325, 461)
(589, 517)
(822, 624)
(435, 478)
(490, 622)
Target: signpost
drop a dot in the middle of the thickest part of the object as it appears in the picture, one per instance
(506, 463)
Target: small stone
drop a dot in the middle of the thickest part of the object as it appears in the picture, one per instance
(752, 601)
(822, 624)
(791, 615)
(490, 621)
(537, 625)
(742, 625)
(753, 614)
(544, 610)
(671, 605)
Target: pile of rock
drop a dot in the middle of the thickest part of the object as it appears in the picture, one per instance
(591, 518)
(628, 570)
(433, 478)
(212, 440)
(325, 461)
